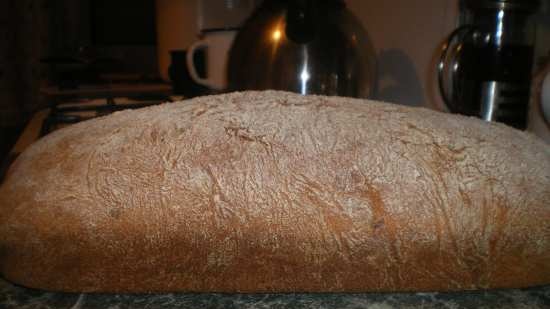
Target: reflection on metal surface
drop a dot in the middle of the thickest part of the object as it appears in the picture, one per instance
(504, 102)
(500, 27)
(276, 35)
(304, 75)
(489, 97)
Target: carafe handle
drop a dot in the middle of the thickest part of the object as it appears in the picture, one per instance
(449, 58)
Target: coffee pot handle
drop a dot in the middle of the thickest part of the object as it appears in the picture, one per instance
(449, 60)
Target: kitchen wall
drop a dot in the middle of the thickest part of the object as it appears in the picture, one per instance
(406, 35)
(405, 52)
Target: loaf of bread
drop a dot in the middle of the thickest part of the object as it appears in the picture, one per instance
(277, 192)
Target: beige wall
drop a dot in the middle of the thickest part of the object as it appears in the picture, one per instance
(407, 35)
(176, 29)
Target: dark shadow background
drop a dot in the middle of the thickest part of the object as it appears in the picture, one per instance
(34, 34)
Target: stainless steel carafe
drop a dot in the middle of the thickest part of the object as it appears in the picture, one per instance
(486, 64)
(304, 46)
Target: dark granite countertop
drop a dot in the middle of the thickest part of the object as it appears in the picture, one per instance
(12, 296)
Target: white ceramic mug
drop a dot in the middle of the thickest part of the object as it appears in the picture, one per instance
(217, 45)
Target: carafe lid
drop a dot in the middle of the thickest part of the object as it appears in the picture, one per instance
(521, 5)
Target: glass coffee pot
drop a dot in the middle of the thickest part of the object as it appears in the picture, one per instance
(486, 64)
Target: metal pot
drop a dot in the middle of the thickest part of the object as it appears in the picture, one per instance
(303, 46)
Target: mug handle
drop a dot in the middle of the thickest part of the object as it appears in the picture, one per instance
(448, 59)
(545, 98)
(191, 64)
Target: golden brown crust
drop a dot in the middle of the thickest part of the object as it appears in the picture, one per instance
(275, 192)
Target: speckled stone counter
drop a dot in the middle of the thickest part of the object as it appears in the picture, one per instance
(18, 297)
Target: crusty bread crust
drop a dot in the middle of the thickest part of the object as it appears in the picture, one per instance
(276, 192)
